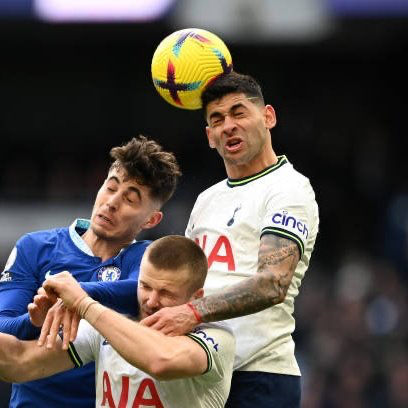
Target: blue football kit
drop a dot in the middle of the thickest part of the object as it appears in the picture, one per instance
(40, 254)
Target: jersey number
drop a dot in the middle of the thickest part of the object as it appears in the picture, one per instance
(152, 400)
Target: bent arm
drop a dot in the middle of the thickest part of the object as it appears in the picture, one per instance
(162, 357)
(22, 361)
(14, 318)
(277, 261)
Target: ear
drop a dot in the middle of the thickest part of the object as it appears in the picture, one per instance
(154, 218)
(269, 117)
(199, 293)
(210, 137)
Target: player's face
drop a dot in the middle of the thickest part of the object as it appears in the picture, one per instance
(158, 288)
(239, 129)
(122, 208)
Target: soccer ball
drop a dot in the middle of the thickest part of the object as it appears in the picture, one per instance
(185, 62)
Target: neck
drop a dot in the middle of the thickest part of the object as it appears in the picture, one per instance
(101, 247)
(255, 165)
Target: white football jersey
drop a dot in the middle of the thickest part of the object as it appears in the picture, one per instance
(121, 385)
(227, 221)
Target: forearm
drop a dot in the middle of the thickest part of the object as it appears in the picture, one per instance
(277, 261)
(250, 296)
(152, 352)
(10, 349)
(22, 361)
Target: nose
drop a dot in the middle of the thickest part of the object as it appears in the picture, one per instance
(113, 202)
(153, 300)
(229, 125)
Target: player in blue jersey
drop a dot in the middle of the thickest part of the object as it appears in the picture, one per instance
(101, 253)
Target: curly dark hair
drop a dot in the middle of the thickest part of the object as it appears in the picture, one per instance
(145, 161)
(232, 82)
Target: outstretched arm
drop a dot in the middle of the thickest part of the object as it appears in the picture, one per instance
(277, 260)
(152, 352)
(22, 361)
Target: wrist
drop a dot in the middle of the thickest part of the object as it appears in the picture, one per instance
(195, 312)
(89, 309)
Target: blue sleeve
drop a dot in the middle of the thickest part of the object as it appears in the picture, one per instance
(18, 285)
(118, 295)
(14, 318)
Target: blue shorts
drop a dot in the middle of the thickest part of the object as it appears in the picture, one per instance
(250, 389)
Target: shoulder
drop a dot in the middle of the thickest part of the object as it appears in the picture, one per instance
(139, 245)
(214, 189)
(43, 238)
(288, 182)
(214, 335)
(137, 248)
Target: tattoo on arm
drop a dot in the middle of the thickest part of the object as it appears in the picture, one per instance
(277, 260)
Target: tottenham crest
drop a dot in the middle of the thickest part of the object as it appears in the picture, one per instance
(109, 274)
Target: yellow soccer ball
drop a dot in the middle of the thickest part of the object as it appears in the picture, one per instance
(185, 62)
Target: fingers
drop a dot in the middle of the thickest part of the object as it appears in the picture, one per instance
(158, 323)
(45, 329)
(149, 320)
(51, 325)
(74, 326)
(54, 329)
(66, 324)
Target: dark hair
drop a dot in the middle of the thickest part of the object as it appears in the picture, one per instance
(176, 252)
(232, 82)
(145, 161)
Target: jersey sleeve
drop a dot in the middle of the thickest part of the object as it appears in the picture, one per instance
(289, 214)
(118, 295)
(85, 348)
(218, 342)
(18, 285)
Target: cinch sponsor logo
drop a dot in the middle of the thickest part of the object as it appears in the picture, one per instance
(203, 334)
(283, 218)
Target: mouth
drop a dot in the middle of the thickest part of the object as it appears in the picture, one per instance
(233, 144)
(104, 219)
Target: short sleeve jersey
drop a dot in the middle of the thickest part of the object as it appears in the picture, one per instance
(36, 256)
(227, 221)
(119, 384)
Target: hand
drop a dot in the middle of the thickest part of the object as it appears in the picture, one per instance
(64, 286)
(172, 321)
(37, 310)
(59, 316)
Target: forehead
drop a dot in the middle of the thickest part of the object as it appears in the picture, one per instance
(174, 280)
(120, 174)
(225, 103)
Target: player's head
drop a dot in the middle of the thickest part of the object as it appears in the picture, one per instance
(232, 82)
(141, 179)
(239, 121)
(146, 162)
(172, 272)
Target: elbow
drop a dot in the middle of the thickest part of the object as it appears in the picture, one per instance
(168, 364)
(161, 368)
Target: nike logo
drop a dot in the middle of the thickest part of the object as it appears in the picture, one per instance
(48, 274)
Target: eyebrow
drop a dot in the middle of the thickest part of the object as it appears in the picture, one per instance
(131, 188)
(232, 108)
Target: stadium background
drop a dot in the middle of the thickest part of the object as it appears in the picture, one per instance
(333, 70)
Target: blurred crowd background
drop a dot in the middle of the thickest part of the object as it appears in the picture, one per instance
(75, 81)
